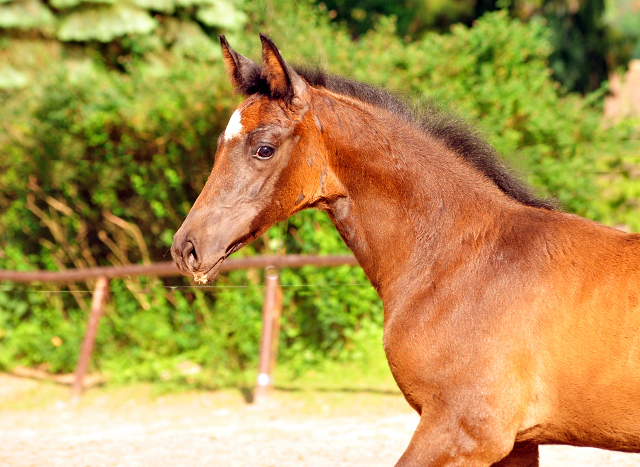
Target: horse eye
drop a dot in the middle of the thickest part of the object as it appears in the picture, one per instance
(264, 152)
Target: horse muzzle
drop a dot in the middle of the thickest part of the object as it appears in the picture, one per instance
(205, 240)
(193, 258)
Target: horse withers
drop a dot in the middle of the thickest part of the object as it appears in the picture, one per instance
(507, 324)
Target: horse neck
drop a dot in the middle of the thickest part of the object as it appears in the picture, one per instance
(409, 204)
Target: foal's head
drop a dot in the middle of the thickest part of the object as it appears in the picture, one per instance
(270, 163)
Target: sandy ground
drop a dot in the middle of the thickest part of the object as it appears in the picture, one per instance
(131, 427)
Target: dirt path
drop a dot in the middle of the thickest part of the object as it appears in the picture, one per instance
(128, 427)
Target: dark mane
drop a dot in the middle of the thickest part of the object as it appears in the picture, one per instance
(460, 137)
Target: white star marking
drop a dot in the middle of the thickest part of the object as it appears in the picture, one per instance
(234, 127)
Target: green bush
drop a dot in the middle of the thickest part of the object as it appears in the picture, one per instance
(99, 167)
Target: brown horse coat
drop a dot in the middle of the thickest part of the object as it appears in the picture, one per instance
(507, 324)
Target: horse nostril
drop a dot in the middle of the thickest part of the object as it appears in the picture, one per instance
(189, 254)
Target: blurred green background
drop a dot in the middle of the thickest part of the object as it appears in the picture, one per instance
(110, 111)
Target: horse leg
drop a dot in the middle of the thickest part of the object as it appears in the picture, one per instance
(448, 442)
(523, 455)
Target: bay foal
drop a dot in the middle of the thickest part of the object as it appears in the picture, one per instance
(507, 324)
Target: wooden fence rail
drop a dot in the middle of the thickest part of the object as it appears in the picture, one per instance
(168, 269)
(270, 312)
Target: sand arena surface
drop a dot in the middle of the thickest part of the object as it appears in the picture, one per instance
(130, 427)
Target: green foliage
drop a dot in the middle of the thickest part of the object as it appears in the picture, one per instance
(580, 44)
(222, 14)
(104, 23)
(587, 41)
(27, 14)
(100, 164)
(623, 20)
(118, 31)
(413, 16)
(10, 78)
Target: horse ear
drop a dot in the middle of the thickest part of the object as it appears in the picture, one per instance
(282, 79)
(243, 73)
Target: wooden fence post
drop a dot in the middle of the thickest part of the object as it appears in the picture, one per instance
(97, 306)
(271, 311)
